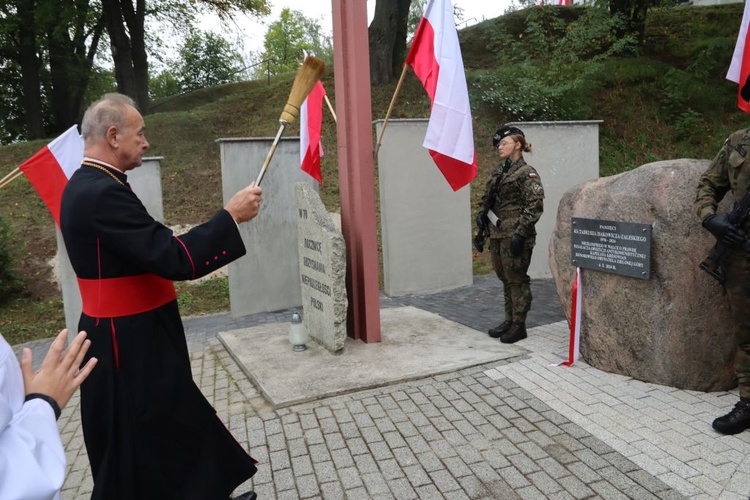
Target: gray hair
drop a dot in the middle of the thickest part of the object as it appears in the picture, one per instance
(102, 114)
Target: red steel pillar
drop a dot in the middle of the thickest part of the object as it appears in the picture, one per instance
(351, 54)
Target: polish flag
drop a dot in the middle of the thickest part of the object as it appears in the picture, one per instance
(739, 68)
(51, 167)
(436, 59)
(574, 350)
(310, 125)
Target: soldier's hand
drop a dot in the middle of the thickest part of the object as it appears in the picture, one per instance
(516, 245)
(723, 230)
(479, 243)
(245, 204)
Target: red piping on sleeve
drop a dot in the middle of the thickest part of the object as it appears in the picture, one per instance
(188, 254)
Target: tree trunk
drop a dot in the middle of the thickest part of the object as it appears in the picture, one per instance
(120, 46)
(30, 68)
(388, 39)
(135, 19)
(70, 69)
(86, 59)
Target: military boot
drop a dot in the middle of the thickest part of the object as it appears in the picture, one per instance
(735, 421)
(500, 329)
(516, 332)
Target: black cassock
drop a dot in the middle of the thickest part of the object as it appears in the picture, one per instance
(149, 431)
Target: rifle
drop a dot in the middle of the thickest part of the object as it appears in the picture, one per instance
(483, 221)
(482, 234)
(714, 263)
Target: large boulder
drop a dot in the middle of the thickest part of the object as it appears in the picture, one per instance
(672, 329)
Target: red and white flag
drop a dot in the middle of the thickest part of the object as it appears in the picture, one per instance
(739, 68)
(435, 56)
(51, 167)
(575, 321)
(310, 125)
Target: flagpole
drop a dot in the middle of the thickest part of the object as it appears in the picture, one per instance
(390, 108)
(15, 174)
(330, 108)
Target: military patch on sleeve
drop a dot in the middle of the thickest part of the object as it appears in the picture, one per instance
(532, 175)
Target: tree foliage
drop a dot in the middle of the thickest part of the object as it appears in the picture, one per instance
(288, 39)
(125, 24)
(47, 50)
(551, 69)
(207, 60)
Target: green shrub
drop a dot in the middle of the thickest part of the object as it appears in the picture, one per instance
(551, 69)
(9, 283)
(712, 61)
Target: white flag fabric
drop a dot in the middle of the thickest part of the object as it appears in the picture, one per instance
(576, 300)
(739, 68)
(733, 74)
(51, 167)
(435, 56)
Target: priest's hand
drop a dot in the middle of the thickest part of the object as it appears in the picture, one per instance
(245, 204)
(60, 373)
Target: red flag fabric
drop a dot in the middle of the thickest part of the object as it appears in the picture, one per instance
(739, 69)
(435, 56)
(51, 167)
(575, 321)
(310, 125)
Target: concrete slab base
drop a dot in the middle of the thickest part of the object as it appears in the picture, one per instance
(414, 344)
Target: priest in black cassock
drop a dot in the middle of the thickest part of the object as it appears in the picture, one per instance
(149, 431)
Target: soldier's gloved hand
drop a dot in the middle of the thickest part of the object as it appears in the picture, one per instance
(482, 221)
(516, 245)
(478, 243)
(723, 230)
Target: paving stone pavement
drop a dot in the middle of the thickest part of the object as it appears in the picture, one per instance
(518, 429)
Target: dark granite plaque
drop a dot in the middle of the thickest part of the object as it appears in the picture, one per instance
(611, 246)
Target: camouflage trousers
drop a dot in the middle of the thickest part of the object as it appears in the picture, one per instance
(512, 271)
(737, 285)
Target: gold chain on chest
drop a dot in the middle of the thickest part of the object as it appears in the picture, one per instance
(103, 169)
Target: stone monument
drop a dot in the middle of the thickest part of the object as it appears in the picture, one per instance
(322, 267)
(673, 328)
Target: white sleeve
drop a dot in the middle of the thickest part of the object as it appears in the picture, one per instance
(32, 458)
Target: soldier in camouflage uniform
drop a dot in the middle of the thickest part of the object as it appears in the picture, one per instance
(730, 172)
(516, 198)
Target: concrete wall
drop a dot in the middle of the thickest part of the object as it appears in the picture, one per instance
(565, 154)
(267, 278)
(146, 183)
(425, 225)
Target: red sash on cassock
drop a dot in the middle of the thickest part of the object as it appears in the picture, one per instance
(115, 297)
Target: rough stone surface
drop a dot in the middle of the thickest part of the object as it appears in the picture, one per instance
(322, 264)
(674, 328)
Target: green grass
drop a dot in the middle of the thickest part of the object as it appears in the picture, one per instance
(671, 101)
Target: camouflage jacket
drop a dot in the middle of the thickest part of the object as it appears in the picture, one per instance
(518, 199)
(729, 171)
